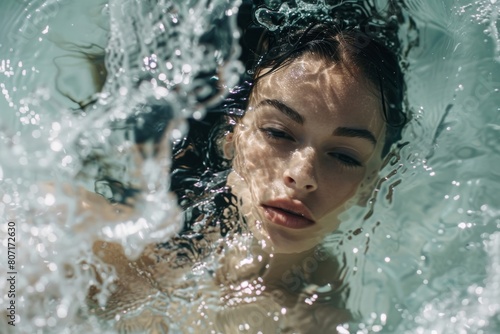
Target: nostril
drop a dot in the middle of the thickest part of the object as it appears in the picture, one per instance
(309, 187)
(289, 180)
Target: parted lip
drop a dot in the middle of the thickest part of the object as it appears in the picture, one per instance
(292, 206)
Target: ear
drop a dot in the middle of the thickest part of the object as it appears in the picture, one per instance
(228, 146)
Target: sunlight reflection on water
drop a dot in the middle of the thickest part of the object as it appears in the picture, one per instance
(427, 259)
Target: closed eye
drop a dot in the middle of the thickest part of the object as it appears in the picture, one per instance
(346, 159)
(273, 133)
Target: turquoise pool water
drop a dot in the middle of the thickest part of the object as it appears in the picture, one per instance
(425, 258)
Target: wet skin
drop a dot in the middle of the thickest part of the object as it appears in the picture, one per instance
(309, 144)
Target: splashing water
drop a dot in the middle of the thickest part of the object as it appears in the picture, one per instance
(487, 14)
(426, 259)
(157, 53)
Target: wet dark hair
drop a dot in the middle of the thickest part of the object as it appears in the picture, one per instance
(349, 46)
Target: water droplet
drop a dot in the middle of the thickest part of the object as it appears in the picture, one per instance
(49, 200)
(56, 146)
(62, 311)
(6, 198)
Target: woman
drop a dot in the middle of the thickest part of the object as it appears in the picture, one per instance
(322, 114)
(318, 125)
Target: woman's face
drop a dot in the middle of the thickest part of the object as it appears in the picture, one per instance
(308, 145)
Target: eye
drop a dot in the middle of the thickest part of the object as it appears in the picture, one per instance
(346, 160)
(275, 133)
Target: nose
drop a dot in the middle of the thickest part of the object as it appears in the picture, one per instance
(300, 173)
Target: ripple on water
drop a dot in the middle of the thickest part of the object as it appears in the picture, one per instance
(425, 259)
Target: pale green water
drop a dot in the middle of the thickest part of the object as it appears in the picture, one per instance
(427, 259)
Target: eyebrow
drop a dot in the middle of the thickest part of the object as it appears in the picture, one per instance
(355, 133)
(296, 117)
(289, 112)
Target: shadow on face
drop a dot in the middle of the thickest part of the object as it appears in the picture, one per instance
(309, 144)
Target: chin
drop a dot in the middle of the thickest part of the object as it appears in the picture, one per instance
(280, 241)
(286, 247)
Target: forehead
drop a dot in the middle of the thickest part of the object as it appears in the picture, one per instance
(332, 92)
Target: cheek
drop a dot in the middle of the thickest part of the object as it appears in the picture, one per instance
(338, 189)
(244, 158)
(253, 158)
(257, 166)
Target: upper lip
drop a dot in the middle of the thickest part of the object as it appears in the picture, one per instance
(291, 205)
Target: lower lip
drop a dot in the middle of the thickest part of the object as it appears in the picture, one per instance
(286, 219)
